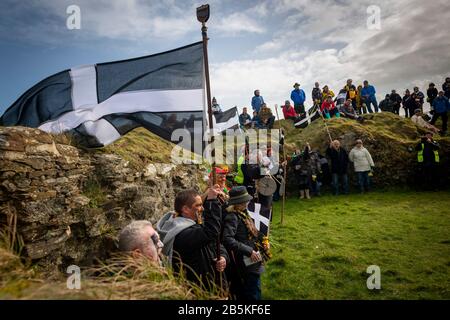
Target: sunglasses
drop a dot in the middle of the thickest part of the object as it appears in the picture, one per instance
(156, 241)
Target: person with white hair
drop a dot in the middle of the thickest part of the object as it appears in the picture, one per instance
(363, 163)
(139, 238)
(420, 121)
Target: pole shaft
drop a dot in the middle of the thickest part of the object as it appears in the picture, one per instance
(211, 127)
(208, 97)
(284, 171)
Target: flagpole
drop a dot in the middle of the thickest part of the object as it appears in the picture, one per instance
(284, 172)
(203, 16)
(326, 126)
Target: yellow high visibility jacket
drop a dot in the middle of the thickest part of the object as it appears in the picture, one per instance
(420, 155)
(239, 178)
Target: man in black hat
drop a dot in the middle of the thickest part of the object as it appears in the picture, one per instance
(246, 247)
(299, 97)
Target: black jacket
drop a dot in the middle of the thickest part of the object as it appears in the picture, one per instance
(251, 173)
(339, 160)
(395, 99)
(239, 244)
(446, 89)
(386, 105)
(432, 93)
(196, 246)
(409, 103)
(316, 94)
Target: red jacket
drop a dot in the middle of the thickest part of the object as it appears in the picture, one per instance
(289, 113)
(327, 105)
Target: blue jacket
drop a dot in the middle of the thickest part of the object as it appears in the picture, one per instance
(257, 101)
(369, 91)
(298, 96)
(441, 105)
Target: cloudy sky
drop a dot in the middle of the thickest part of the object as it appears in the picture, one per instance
(266, 45)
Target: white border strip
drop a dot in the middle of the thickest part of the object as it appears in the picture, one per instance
(130, 102)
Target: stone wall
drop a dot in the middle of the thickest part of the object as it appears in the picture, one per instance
(69, 203)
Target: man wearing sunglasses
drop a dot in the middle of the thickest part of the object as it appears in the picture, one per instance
(140, 238)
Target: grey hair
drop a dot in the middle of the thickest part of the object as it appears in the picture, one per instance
(130, 238)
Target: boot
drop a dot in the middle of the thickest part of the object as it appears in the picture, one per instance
(307, 194)
(302, 194)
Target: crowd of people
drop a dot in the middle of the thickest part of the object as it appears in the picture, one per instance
(212, 239)
(209, 238)
(353, 102)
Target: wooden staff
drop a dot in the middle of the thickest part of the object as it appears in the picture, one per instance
(203, 16)
(284, 172)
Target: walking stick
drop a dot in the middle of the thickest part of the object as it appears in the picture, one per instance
(284, 173)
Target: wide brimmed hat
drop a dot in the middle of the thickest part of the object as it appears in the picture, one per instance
(239, 195)
(296, 84)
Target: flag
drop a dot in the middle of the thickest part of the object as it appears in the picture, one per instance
(100, 103)
(228, 119)
(311, 115)
(260, 215)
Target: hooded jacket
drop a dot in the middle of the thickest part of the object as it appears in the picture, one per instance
(168, 227)
(193, 245)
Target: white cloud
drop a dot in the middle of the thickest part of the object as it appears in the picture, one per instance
(397, 56)
(238, 23)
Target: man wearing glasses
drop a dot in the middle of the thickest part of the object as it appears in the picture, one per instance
(140, 238)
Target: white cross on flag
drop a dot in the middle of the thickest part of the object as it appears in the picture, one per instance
(261, 216)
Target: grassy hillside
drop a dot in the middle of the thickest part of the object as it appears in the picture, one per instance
(141, 147)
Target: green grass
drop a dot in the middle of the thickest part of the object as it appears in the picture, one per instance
(325, 245)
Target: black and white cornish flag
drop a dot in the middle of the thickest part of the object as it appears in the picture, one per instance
(261, 216)
(100, 103)
(228, 119)
(311, 115)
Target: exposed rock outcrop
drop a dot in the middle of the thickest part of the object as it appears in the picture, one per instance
(69, 203)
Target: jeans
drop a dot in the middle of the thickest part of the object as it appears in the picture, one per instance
(251, 289)
(315, 187)
(363, 181)
(372, 100)
(344, 180)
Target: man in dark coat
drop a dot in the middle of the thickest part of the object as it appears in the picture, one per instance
(396, 101)
(432, 94)
(339, 165)
(190, 238)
